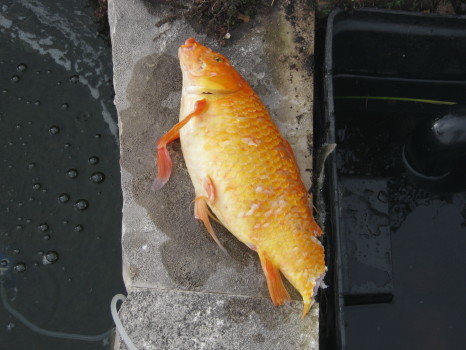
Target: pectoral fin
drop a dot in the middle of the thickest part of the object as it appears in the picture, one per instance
(277, 290)
(164, 163)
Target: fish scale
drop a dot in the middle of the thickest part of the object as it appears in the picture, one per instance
(245, 172)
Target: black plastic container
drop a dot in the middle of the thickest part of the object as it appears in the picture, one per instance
(386, 72)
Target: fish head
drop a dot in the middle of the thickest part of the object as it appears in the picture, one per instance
(206, 71)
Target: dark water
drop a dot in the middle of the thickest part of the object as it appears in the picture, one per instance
(60, 208)
(427, 236)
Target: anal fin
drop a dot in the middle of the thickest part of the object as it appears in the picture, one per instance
(277, 289)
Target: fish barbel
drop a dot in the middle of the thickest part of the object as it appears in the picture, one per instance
(245, 172)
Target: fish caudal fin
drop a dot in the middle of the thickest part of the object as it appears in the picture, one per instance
(277, 290)
(164, 163)
(307, 306)
(201, 212)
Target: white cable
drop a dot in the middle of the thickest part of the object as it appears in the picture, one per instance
(46, 332)
(116, 320)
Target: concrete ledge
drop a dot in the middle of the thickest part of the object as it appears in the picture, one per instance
(167, 254)
(214, 321)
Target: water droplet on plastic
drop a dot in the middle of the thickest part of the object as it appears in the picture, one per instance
(72, 173)
(36, 186)
(74, 79)
(15, 78)
(21, 67)
(50, 257)
(79, 228)
(20, 267)
(81, 204)
(93, 160)
(64, 106)
(83, 116)
(43, 227)
(53, 130)
(98, 177)
(63, 197)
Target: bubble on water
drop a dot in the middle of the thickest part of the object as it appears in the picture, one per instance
(93, 160)
(98, 177)
(10, 326)
(40, 252)
(4, 263)
(53, 130)
(21, 67)
(46, 237)
(83, 116)
(74, 79)
(37, 103)
(28, 221)
(20, 204)
(97, 136)
(31, 165)
(17, 251)
(4, 91)
(37, 72)
(59, 83)
(49, 71)
(72, 173)
(15, 78)
(50, 257)
(81, 204)
(64, 106)
(36, 186)
(19, 227)
(31, 199)
(79, 228)
(67, 145)
(63, 197)
(43, 227)
(65, 222)
(20, 267)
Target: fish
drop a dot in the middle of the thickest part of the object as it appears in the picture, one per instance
(244, 172)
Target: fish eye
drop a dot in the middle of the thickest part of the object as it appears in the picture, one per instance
(219, 59)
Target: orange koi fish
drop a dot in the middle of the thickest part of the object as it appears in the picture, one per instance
(245, 172)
